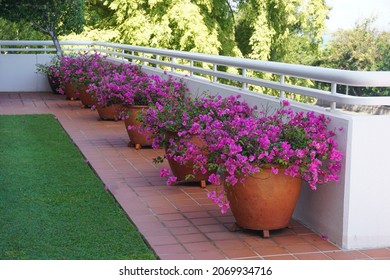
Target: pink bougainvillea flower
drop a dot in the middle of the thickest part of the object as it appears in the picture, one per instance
(171, 180)
(274, 170)
(164, 172)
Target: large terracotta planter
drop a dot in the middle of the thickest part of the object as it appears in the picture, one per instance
(137, 139)
(71, 91)
(181, 171)
(110, 113)
(264, 201)
(86, 98)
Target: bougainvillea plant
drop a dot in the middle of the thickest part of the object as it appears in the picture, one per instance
(118, 85)
(241, 141)
(300, 142)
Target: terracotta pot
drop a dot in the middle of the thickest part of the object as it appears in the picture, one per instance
(110, 113)
(265, 201)
(137, 138)
(54, 84)
(86, 98)
(181, 171)
(71, 91)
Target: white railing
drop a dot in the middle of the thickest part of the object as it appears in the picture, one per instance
(207, 66)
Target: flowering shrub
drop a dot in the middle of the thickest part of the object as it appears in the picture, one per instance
(241, 141)
(117, 86)
(151, 89)
(52, 68)
(83, 69)
(80, 69)
(173, 113)
(174, 122)
(298, 141)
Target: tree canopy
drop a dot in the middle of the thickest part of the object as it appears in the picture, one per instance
(362, 48)
(53, 17)
(204, 26)
(279, 30)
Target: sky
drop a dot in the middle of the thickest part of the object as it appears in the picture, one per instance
(346, 13)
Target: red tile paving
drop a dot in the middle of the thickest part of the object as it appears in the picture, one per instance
(178, 222)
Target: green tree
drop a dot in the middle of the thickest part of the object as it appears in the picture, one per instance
(281, 30)
(205, 26)
(361, 48)
(356, 49)
(287, 31)
(52, 17)
(19, 31)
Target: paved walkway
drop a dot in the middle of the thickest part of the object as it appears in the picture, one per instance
(178, 222)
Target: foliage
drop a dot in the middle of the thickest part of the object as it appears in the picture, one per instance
(362, 48)
(19, 31)
(284, 31)
(52, 17)
(276, 29)
(206, 26)
(52, 69)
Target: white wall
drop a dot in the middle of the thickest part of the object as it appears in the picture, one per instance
(369, 195)
(17, 73)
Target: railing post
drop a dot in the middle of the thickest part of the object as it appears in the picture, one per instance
(157, 59)
(192, 67)
(172, 61)
(214, 70)
(143, 60)
(282, 83)
(244, 85)
(333, 89)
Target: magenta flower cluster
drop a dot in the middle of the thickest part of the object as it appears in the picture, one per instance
(117, 86)
(82, 69)
(300, 142)
(111, 82)
(239, 140)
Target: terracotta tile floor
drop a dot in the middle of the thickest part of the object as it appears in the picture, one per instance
(178, 222)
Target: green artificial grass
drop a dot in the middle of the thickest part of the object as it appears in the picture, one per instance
(52, 205)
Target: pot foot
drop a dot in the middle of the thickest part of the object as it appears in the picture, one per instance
(265, 233)
(203, 183)
(138, 146)
(234, 227)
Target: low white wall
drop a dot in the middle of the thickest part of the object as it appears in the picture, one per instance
(18, 72)
(369, 195)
